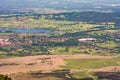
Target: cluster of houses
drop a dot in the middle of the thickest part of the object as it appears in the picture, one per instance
(114, 34)
(87, 40)
(4, 41)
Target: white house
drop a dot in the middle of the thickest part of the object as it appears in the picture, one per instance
(86, 39)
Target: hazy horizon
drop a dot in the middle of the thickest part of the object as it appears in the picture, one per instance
(56, 3)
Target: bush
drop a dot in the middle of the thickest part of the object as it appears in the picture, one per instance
(3, 77)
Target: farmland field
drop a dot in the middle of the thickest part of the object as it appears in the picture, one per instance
(64, 66)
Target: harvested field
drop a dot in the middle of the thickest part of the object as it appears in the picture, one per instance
(47, 67)
(36, 63)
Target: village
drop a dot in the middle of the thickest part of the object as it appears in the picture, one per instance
(32, 44)
(19, 39)
(4, 41)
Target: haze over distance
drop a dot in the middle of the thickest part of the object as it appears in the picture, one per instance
(80, 5)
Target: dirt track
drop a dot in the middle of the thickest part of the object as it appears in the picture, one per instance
(36, 63)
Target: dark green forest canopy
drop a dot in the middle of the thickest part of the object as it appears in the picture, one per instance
(91, 17)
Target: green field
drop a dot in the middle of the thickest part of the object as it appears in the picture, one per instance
(84, 65)
(92, 63)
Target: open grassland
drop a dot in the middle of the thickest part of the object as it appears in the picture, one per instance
(73, 67)
(86, 68)
(35, 63)
(80, 50)
(92, 63)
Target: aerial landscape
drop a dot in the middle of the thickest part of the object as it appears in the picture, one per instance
(59, 40)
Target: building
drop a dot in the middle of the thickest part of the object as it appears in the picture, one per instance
(4, 42)
(86, 40)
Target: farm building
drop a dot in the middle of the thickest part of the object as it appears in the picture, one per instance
(4, 41)
(86, 39)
